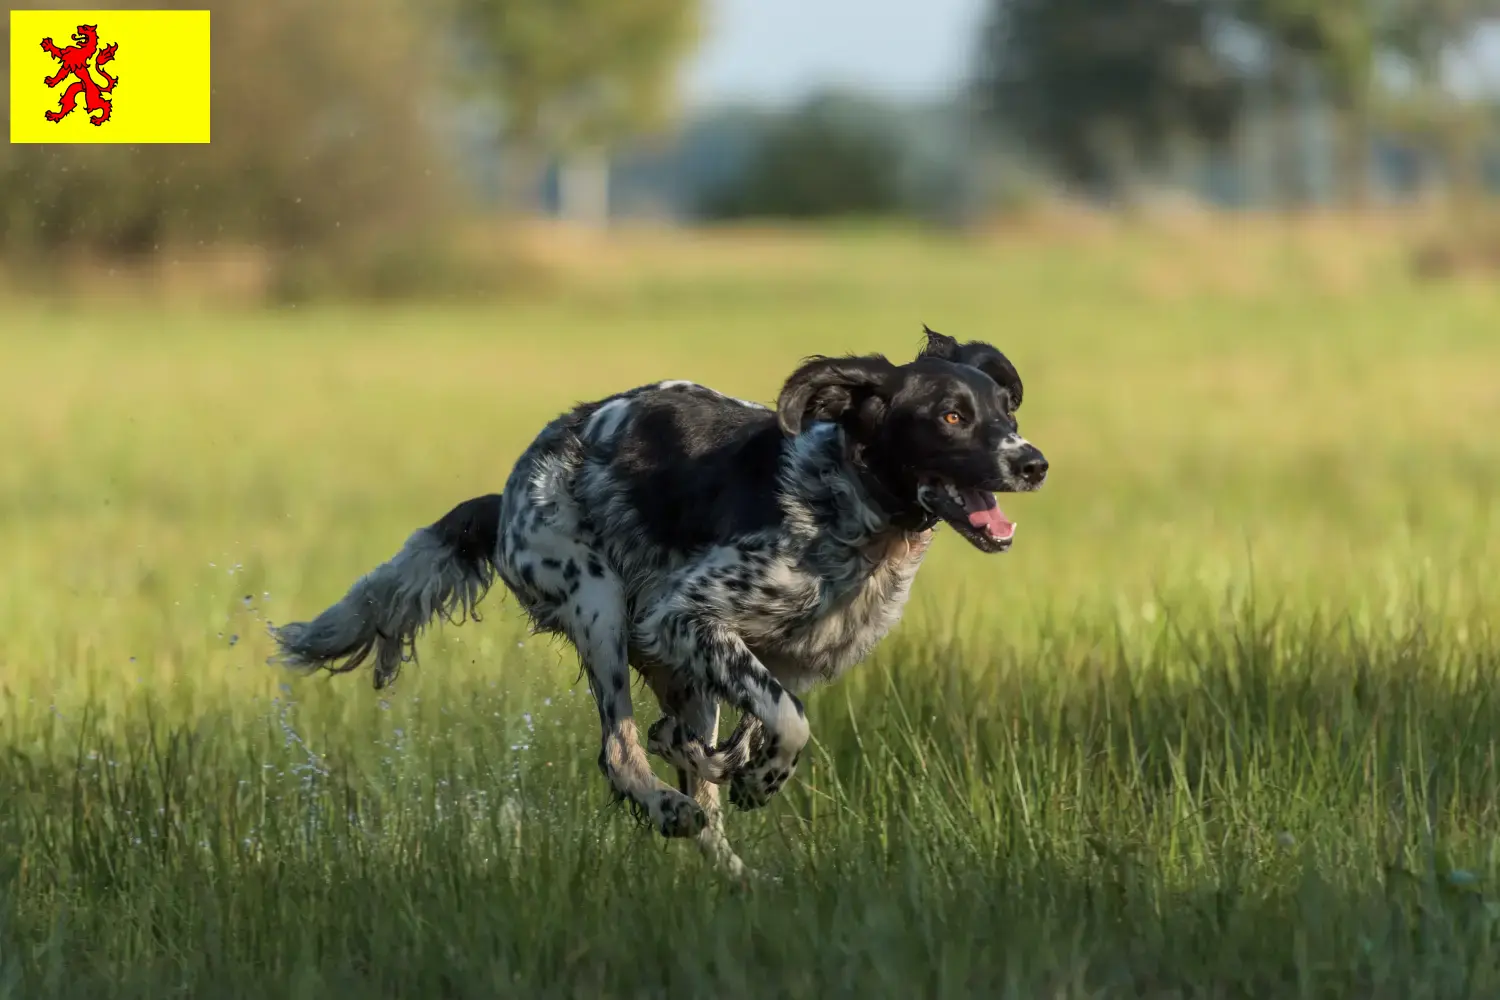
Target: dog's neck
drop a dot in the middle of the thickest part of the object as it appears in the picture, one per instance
(836, 501)
(901, 515)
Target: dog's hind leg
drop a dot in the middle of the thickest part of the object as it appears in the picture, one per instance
(595, 620)
(702, 713)
(692, 710)
(568, 589)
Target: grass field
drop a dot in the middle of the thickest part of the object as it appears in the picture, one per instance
(1220, 725)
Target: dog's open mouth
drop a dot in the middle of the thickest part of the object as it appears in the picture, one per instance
(973, 513)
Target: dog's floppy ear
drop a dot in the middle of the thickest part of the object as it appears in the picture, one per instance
(836, 389)
(988, 359)
(976, 354)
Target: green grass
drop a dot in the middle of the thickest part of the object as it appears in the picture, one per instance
(1221, 725)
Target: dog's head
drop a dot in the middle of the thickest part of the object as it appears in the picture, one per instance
(933, 438)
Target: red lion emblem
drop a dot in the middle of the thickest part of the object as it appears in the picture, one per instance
(75, 62)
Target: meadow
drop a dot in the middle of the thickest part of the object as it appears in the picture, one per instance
(1220, 724)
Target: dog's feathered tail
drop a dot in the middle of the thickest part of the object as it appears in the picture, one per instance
(443, 569)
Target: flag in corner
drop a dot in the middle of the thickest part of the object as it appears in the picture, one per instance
(110, 76)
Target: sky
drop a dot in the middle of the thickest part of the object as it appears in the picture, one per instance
(776, 51)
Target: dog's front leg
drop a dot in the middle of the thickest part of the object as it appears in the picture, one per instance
(764, 749)
(677, 740)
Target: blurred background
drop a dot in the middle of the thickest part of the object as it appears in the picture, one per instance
(1239, 663)
(397, 147)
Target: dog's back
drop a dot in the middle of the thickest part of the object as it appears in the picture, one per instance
(680, 467)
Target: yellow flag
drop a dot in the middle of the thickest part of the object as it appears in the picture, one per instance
(109, 76)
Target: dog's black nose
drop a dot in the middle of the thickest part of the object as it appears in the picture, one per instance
(1033, 466)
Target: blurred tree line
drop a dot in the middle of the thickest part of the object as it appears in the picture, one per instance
(1254, 103)
(1105, 92)
(348, 133)
(333, 132)
(838, 153)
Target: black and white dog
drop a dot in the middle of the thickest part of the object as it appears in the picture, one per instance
(727, 551)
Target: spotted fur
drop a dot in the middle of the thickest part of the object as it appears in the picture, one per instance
(729, 552)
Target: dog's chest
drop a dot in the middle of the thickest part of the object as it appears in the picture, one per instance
(851, 605)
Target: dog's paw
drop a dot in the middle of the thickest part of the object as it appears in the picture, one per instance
(665, 736)
(678, 816)
(754, 787)
(670, 739)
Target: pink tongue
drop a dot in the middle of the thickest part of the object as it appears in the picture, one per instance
(985, 513)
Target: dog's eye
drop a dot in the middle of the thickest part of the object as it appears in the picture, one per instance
(951, 417)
